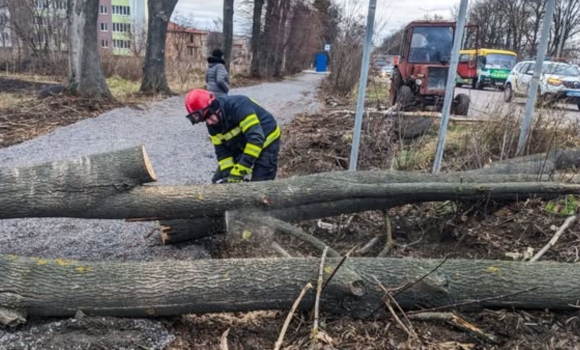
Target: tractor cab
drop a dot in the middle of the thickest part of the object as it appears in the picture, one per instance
(420, 78)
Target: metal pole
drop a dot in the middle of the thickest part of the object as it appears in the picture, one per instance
(533, 90)
(459, 32)
(362, 86)
(564, 25)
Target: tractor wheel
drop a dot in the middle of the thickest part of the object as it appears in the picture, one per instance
(404, 97)
(479, 85)
(508, 93)
(462, 106)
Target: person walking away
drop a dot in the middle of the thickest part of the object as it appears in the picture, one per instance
(246, 137)
(216, 76)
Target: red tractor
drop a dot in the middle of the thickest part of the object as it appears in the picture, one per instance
(419, 79)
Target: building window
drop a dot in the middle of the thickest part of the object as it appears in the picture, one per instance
(105, 43)
(104, 27)
(40, 4)
(59, 4)
(121, 10)
(121, 44)
(103, 10)
(122, 27)
(190, 50)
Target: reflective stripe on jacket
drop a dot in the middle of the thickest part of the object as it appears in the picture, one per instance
(245, 129)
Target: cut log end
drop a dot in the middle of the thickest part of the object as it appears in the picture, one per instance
(148, 165)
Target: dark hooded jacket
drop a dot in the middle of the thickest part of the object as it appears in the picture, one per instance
(216, 76)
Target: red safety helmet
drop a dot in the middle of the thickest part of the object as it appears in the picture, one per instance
(200, 104)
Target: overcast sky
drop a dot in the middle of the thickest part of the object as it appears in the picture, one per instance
(393, 13)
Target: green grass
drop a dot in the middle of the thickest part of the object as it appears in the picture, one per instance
(121, 88)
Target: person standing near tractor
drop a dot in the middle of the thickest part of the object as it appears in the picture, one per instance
(216, 76)
(246, 137)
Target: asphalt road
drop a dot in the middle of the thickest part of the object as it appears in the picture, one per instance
(490, 102)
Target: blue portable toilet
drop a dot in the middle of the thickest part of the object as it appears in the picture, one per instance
(321, 61)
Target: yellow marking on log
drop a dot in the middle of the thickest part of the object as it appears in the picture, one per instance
(83, 269)
(41, 262)
(226, 275)
(11, 257)
(64, 262)
(199, 197)
(150, 312)
(493, 269)
(328, 269)
(246, 235)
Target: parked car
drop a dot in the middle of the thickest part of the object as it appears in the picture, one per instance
(386, 71)
(559, 81)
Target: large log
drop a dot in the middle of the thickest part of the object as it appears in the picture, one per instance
(50, 186)
(60, 287)
(542, 163)
(109, 200)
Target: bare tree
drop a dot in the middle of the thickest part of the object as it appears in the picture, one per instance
(39, 29)
(304, 37)
(85, 74)
(256, 43)
(154, 78)
(228, 31)
(137, 36)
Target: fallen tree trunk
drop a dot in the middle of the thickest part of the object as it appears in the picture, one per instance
(117, 199)
(61, 288)
(542, 163)
(49, 186)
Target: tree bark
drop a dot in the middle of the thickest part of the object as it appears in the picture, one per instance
(315, 192)
(86, 77)
(255, 67)
(228, 30)
(41, 287)
(543, 163)
(154, 77)
(97, 176)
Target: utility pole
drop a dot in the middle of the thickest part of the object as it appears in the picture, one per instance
(564, 25)
(362, 86)
(457, 40)
(533, 91)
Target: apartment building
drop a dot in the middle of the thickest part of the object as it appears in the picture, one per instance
(122, 26)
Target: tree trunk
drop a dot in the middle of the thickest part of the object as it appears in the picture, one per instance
(106, 186)
(97, 176)
(42, 287)
(255, 67)
(316, 192)
(281, 43)
(228, 29)
(85, 74)
(272, 20)
(154, 78)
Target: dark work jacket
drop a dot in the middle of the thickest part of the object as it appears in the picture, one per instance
(244, 130)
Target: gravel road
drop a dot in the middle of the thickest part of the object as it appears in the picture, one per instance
(179, 152)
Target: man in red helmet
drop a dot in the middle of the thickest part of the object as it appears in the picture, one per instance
(246, 136)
